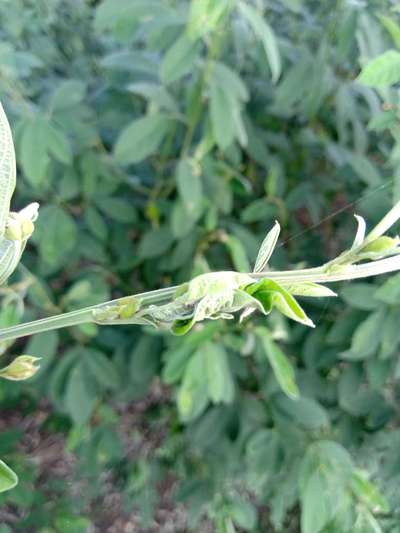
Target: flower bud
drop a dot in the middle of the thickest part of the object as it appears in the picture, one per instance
(13, 229)
(27, 228)
(23, 367)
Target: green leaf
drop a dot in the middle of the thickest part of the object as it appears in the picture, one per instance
(192, 397)
(303, 411)
(68, 94)
(33, 150)
(8, 478)
(155, 242)
(366, 170)
(221, 113)
(382, 120)
(264, 32)
(243, 513)
(189, 185)
(207, 16)
(390, 334)
(392, 27)
(80, 398)
(368, 493)
(366, 522)
(102, 369)
(71, 524)
(123, 16)
(323, 480)
(263, 451)
(382, 71)
(58, 145)
(317, 508)
(367, 336)
(389, 292)
(179, 59)
(144, 363)
(155, 93)
(238, 253)
(219, 377)
(56, 235)
(283, 370)
(96, 223)
(141, 138)
(118, 209)
(227, 94)
(228, 80)
(176, 360)
(360, 296)
(328, 456)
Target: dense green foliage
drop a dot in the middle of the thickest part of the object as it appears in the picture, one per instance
(162, 138)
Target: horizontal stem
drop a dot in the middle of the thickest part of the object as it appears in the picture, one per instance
(347, 272)
(316, 275)
(81, 316)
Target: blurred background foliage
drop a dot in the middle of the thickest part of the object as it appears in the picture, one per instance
(162, 139)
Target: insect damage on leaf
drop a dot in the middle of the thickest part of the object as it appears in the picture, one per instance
(221, 294)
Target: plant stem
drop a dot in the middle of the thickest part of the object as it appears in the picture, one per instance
(81, 316)
(316, 275)
(387, 222)
(346, 272)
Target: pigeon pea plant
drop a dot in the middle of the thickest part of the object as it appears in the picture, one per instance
(210, 296)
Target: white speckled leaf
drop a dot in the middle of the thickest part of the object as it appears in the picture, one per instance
(308, 288)
(267, 247)
(10, 254)
(7, 169)
(7, 251)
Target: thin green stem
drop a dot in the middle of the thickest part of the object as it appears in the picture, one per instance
(387, 222)
(345, 272)
(316, 275)
(80, 316)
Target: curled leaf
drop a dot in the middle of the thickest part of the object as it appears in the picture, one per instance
(271, 294)
(360, 235)
(211, 306)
